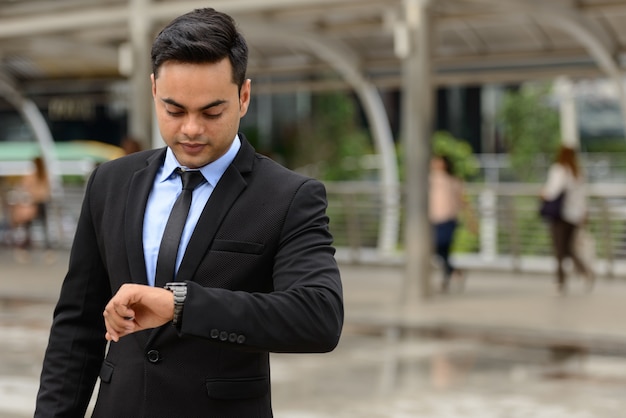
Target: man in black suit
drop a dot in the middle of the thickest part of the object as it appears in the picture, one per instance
(255, 270)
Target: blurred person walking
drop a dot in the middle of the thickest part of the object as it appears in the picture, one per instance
(565, 185)
(446, 202)
(28, 203)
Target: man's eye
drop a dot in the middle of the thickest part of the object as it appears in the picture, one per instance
(173, 113)
(212, 115)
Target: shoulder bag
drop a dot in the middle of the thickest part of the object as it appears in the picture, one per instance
(550, 210)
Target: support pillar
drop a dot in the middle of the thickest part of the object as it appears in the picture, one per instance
(140, 95)
(418, 103)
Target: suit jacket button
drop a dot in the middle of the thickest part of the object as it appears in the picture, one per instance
(153, 356)
(223, 336)
(232, 337)
(215, 333)
(241, 339)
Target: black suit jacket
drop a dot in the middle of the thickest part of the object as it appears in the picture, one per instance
(261, 278)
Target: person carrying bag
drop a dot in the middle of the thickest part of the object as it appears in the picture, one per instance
(564, 208)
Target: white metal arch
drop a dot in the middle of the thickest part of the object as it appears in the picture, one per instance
(592, 37)
(33, 117)
(575, 26)
(345, 63)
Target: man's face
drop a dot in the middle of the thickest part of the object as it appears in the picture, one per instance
(198, 109)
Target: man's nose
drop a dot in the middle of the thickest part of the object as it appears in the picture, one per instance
(192, 126)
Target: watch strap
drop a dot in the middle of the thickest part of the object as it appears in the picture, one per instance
(179, 290)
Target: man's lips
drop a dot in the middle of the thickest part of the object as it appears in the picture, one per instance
(192, 148)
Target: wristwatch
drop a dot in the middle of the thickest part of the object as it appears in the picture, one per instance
(179, 290)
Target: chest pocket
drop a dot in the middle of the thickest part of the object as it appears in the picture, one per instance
(237, 247)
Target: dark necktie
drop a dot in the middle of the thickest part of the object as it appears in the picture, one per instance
(166, 261)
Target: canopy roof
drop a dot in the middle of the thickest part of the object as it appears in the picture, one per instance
(70, 150)
(474, 41)
(328, 44)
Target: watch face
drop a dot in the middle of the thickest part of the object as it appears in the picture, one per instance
(175, 285)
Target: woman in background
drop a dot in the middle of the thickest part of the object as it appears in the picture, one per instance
(446, 201)
(31, 204)
(565, 176)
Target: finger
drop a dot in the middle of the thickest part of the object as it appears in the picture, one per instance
(111, 337)
(114, 333)
(111, 333)
(124, 312)
(118, 314)
(117, 326)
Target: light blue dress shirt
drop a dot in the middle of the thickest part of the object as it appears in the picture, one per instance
(166, 188)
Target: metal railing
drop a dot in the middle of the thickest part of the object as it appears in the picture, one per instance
(510, 235)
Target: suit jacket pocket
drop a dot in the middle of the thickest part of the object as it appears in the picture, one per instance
(241, 388)
(237, 246)
(106, 371)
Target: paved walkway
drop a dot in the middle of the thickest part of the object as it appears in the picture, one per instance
(496, 306)
(499, 306)
(403, 374)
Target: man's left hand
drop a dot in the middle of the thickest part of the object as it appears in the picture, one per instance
(137, 307)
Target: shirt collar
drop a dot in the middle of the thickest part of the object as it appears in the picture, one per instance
(212, 172)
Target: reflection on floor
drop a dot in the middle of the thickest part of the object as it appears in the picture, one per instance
(397, 376)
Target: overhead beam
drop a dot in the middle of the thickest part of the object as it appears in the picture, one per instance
(66, 21)
(89, 17)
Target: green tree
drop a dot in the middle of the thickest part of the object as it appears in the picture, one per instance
(531, 129)
(458, 151)
(331, 139)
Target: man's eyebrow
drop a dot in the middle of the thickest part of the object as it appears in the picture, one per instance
(205, 107)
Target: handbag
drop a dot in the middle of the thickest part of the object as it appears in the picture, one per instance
(550, 210)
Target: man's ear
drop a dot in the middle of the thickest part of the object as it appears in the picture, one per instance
(244, 97)
(153, 82)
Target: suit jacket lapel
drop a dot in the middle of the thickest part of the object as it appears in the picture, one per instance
(224, 195)
(138, 192)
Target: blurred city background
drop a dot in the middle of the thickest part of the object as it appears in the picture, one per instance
(360, 93)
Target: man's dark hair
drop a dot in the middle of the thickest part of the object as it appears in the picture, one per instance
(202, 36)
